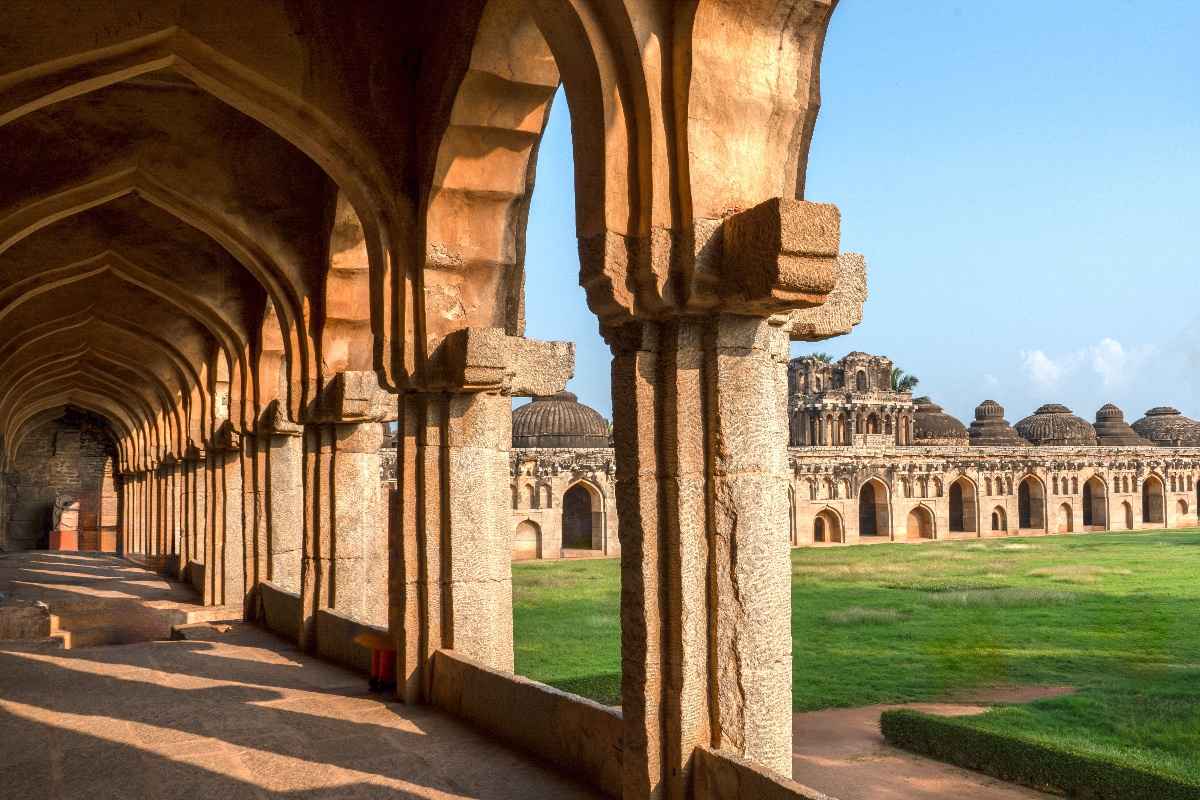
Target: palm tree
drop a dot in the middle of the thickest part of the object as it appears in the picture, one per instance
(903, 382)
(823, 357)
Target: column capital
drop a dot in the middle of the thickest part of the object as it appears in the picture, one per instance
(353, 396)
(489, 360)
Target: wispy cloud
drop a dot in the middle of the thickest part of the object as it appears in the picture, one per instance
(1114, 363)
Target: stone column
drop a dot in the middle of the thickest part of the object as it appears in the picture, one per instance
(345, 538)
(451, 571)
(701, 443)
(284, 503)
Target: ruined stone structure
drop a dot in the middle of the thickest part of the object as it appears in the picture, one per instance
(1053, 472)
(245, 233)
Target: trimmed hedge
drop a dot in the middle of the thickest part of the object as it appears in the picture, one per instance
(1033, 764)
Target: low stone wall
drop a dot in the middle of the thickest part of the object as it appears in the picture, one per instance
(280, 610)
(195, 575)
(719, 774)
(23, 619)
(577, 735)
(335, 639)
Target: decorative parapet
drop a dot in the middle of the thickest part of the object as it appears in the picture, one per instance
(553, 461)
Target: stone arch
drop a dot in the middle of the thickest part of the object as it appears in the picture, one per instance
(1181, 511)
(827, 527)
(527, 541)
(545, 496)
(872, 423)
(583, 517)
(1127, 508)
(999, 519)
(1153, 501)
(1095, 503)
(1031, 503)
(874, 509)
(921, 523)
(860, 381)
(1075, 485)
(1066, 518)
(531, 496)
(964, 500)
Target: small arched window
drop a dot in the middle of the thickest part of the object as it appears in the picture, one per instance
(1074, 485)
(860, 381)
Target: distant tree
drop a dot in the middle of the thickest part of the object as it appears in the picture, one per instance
(903, 382)
(825, 357)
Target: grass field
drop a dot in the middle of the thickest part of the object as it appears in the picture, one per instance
(1115, 615)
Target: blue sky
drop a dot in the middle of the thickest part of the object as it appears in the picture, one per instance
(1024, 180)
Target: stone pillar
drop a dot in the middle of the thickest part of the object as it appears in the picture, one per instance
(700, 410)
(345, 538)
(285, 506)
(451, 570)
(233, 557)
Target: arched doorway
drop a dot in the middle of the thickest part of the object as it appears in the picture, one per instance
(999, 519)
(1181, 510)
(873, 516)
(527, 541)
(920, 524)
(1153, 502)
(872, 423)
(827, 528)
(582, 518)
(1128, 509)
(1095, 504)
(1066, 521)
(1031, 504)
(860, 381)
(963, 512)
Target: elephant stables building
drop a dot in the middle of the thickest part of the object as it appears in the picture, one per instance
(868, 465)
(872, 465)
(236, 236)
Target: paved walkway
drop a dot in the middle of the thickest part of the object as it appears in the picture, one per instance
(239, 714)
(840, 752)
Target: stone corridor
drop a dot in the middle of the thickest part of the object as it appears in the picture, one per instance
(232, 712)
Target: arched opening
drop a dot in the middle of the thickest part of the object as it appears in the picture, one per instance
(1031, 504)
(527, 541)
(999, 520)
(920, 524)
(582, 518)
(860, 381)
(531, 495)
(1128, 511)
(827, 528)
(1153, 501)
(1181, 511)
(963, 512)
(872, 423)
(873, 515)
(1066, 523)
(1095, 504)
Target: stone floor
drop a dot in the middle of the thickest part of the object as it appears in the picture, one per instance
(235, 714)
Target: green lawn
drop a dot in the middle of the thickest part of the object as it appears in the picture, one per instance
(1115, 615)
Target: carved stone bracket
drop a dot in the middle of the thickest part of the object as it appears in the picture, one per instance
(779, 256)
(487, 359)
(353, 397)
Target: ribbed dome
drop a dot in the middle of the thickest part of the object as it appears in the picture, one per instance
(1054, 424)
(1113, 431)
(1166, 427)
(991, 429)
(932, 425)
(558, 420)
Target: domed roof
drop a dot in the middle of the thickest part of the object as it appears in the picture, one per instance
(932, 425)
(1166, 427)
(1054, 424)
(558, 420)
(991, 429)
(1113, 431)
